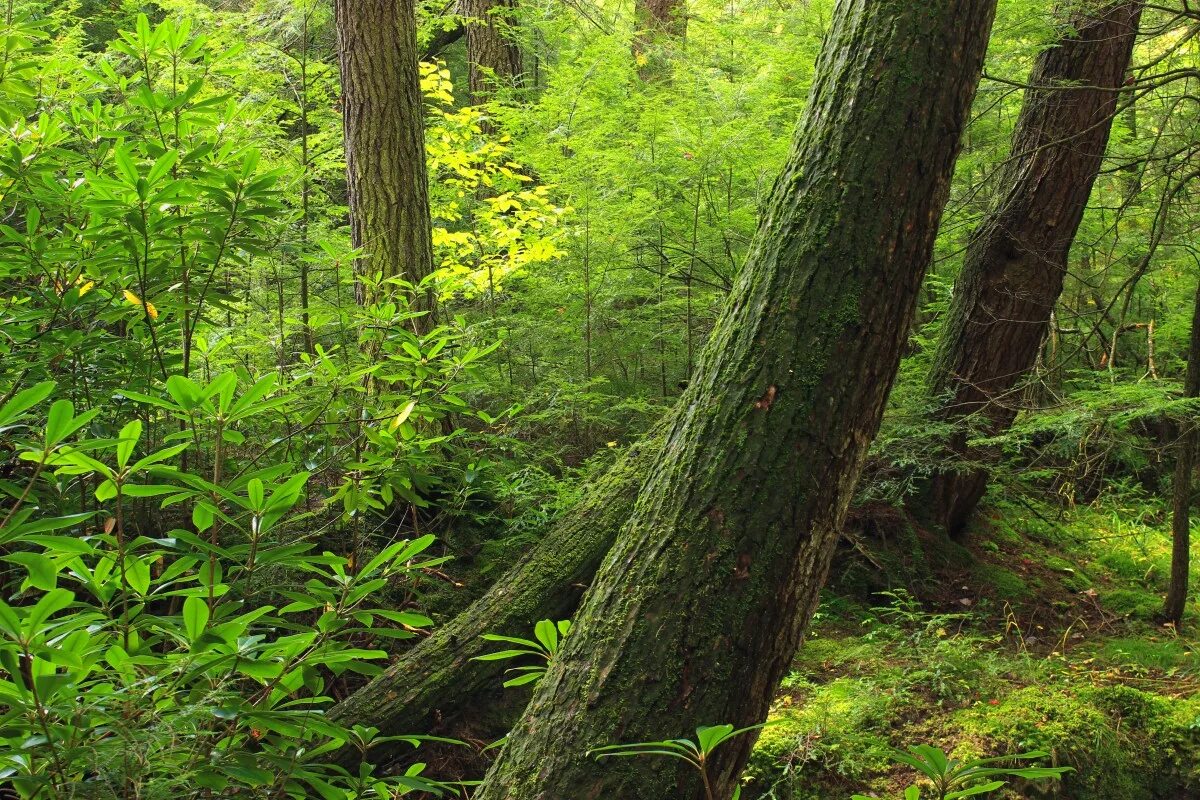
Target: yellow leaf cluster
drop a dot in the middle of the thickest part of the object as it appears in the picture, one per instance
(133, 299)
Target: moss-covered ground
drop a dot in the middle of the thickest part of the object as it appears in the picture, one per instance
(1036, 631)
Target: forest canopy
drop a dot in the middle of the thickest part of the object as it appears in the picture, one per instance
(542, 400)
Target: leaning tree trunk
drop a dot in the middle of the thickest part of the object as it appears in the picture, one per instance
(1017, 258)
(698, 608)
(1181, 546)
(383, 119)
(436, 681)
(658, 25)
(493, 54)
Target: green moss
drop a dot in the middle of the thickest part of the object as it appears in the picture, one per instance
(1164, 655)
(839, 731)
(1073, 577)
(1001, 584)
(1123, 743)
(843, 655)
(1002, 533)
(1124, 565)
(1136, 603)
(909, 678)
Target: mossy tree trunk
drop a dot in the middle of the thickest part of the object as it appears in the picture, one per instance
(1181, 516)
(383, 120)
(1016, 260)
(697, 610)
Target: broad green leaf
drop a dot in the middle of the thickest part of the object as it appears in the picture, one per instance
(195, 617)
(982, 788)
(127, 441)
(501, 655)
(547, 634)
(708, 737)
(58, 421)
(43, 573)
(24, 400)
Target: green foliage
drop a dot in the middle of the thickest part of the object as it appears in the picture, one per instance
(549, 637)
(138, 664)
(695, 752)
(836, 732)
(226, 487)
(953, 779)
(194, 526)
(1125, 744)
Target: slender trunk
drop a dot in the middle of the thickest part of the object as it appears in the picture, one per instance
(1181, 550)
(697, 610)
(1017, 258)
(305, 188)
(587, 291)
(383, 119)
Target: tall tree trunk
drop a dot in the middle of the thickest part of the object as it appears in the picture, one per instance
(698, 608)
(1017, 258)
(1181, 545)
(383, 119)
(493, 55)
(658, 25)
(437, 680)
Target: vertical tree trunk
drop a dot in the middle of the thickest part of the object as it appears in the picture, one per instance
(1181, 546)
(1017, 258)
(383, 118)
(658, 24)
(493, 55)
(698, 609)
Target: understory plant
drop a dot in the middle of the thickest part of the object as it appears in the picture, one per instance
(951, 778)
(191, 662)
(694, 752)
(549, 637)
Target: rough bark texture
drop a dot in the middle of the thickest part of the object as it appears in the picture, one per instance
(493, 55)
(436, 680)
(1181, 545)
(1017, 258)
(383, 119)
(697, 610)
(658, 25)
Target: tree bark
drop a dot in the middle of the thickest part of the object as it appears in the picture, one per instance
(493, 55)
(697, 610)
(1016, 260)
(436, 680)
(658, 24)
(1181, 546)
(383, 121)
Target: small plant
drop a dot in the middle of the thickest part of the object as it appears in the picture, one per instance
(549, 637)
(953, 779)
(696, 753)
(903, 618)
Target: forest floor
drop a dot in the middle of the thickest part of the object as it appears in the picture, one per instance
(1037, 631)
